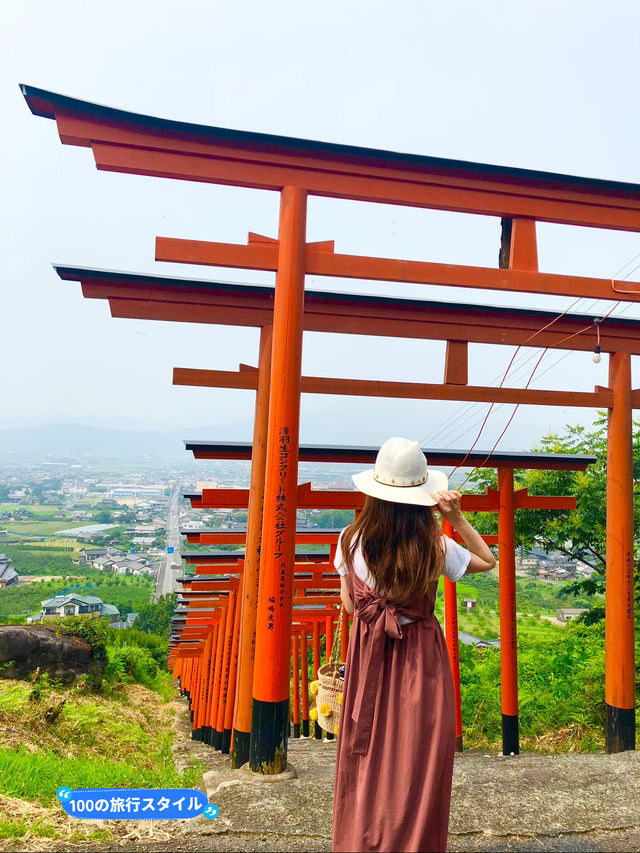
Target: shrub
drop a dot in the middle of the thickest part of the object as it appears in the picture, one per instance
(96, 632)
(129, 664)
(158, 647)
(560, 685)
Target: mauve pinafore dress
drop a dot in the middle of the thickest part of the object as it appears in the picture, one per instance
(397, 730)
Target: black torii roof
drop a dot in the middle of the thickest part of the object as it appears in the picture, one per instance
(42, 102)
(367, 455)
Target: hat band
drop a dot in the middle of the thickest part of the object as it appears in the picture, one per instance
(400, 485)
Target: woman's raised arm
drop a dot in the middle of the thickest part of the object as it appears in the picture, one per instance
(482, 559)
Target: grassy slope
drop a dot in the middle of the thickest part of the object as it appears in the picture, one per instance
(561, 690)
(122, 740)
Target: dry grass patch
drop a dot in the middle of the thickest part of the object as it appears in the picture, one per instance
(85, 741)
(24, 826)
(87, 725)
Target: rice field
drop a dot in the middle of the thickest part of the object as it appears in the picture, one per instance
(41, 528)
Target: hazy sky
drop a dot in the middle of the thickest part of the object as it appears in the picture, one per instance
(542, 85)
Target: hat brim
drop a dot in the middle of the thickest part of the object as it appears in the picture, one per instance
(417, 495)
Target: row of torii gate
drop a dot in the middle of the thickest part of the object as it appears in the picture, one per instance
(207, 630)
(242, 615)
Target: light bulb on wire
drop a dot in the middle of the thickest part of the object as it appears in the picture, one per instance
(597, 358)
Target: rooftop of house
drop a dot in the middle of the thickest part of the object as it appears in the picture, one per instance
(61, 600)
(7, 572)
(471, 640)
(130, 562)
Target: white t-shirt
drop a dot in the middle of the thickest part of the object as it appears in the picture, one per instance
(456, 561)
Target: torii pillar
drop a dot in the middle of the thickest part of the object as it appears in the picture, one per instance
(620, 697)
(270, 715)
(519, 251)
(250, 579)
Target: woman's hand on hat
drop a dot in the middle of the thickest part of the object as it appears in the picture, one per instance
(448, 503)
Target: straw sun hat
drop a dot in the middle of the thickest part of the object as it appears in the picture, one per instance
(401, 475)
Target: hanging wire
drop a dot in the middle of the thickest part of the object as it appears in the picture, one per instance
(556, 363)
(506, 373)
(629, 304)
(635, 258)
(595, 322)
(465, 411)
(456, 437)
(610, 314)
(499, 406)
(508, 424)
(515, 374)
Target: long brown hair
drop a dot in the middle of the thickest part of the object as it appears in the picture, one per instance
(401, 547)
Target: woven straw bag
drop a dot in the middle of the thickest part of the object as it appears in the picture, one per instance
(330, 686)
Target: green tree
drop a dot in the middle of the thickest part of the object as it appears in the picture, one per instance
(156, 618)
(35, 490)
(579, 533)
(333, 518)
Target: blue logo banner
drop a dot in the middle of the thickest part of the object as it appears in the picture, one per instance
(135, 803)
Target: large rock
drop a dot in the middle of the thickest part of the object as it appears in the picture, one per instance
(24, 648)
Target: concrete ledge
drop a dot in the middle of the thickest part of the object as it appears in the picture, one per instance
(516, 804)
(214, 781)
(530, 794)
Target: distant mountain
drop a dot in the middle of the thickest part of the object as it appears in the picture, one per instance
(60, 442)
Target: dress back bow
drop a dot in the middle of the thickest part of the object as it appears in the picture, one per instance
(382, 620)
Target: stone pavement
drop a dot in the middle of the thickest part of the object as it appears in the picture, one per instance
(518, 804)
(522, 803)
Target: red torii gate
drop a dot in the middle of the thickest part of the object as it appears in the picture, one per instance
(218, 573)
(471, 324)
(504, 501)
(177, 299)
(138, 144)
(168, 302)
(239, 537)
